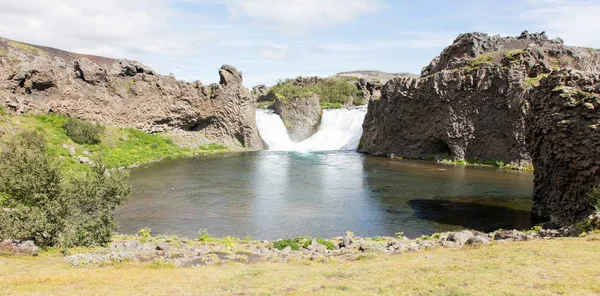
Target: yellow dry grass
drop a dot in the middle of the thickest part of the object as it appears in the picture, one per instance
(568, 266)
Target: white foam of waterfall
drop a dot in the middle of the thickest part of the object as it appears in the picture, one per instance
(340, 129)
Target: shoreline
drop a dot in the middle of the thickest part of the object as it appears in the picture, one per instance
(205, 250)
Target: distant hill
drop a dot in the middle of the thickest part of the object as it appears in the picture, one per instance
(374, 75)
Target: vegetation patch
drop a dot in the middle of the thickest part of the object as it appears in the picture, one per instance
(484, 162)
(514, 54)
(284, 243)
(486, 58)
(26, 47)
(53, 207)
(118, 147)
(332, 92)
(83, 132)
(530, 83)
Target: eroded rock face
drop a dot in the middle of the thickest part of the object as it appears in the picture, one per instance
(301, 116)
(259, 93)
(125, 93)
(563, 136)
(469, 102)
(371, 89)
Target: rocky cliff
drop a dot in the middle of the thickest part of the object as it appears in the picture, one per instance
(563, 132)
(125, 93)
(469, 101)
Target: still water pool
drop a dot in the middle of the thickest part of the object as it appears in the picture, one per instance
(270, 195)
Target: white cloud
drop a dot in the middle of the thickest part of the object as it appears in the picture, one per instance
(301, 15)
(110, 27)
(403, 40)
(273, 53)
(577, 22)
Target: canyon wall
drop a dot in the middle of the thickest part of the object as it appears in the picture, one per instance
(469, 102)
(125, 93)
(563, 133)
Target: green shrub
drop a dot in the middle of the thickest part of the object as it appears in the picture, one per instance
(52, 208)
(2, 111)
(83, 132)
(306, 241)
(203, 235)
(594, 198)
(229, 242)
(282, 244)
(145, 233)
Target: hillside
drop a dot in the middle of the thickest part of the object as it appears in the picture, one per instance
(125, 93)
(375, 76)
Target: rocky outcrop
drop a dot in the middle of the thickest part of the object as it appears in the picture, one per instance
(469, 102)
(563, 132)
(371, 90)
(301, 116)
(19, 247)
(125, 93)
(259, 93)
(191, 253)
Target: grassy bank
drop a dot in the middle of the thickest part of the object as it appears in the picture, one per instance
(558, 266)
(118, 147)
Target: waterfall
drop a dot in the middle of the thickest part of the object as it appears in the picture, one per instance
(340, 129)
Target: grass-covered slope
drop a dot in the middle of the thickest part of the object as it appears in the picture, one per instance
(118, 147)
(332, 92)
(566, 266)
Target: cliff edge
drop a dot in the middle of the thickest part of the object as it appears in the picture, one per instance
(469, 102)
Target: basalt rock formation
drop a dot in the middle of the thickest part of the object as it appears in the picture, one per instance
(469, 101)
(563, 132)
(371, 90)
(301, 116)
(259, 93)
(125, 93)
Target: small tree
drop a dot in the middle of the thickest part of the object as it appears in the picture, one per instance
(83, 132)
(38, 202)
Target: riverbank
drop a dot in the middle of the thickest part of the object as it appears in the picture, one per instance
(559, 265)
(118, 147)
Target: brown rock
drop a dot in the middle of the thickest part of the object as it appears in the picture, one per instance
(301, 116)
(126, 93)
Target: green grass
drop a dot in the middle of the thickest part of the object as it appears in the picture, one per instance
(530, 83)
(514, 54)
(2, 111)
(486, 58)
(333, 93)
(284, 243)
(26, 48)
(118, 147)
(486, 162)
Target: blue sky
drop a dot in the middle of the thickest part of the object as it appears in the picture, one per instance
(272, 39)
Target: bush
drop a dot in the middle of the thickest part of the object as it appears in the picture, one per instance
(83, 132)
(40, 203)
(282, 244)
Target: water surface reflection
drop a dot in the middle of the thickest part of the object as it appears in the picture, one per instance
(272, 195)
